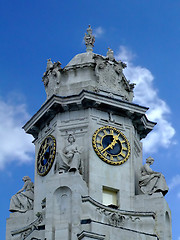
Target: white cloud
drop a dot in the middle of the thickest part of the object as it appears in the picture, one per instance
(124, 55)
(147, 95)
(98, 32)
(175, 181)
(16, 145)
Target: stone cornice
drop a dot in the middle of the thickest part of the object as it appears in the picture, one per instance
(84, 100)
(109, 209)
(82, 65)
(86, 234)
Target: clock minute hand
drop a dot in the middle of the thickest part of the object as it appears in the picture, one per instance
(111, 145)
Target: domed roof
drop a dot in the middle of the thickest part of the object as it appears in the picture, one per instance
(81, 58)
(90, 72)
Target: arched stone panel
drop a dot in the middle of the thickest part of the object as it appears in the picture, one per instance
(62, 207)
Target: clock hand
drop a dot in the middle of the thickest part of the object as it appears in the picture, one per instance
(111, 145)
(44, 149)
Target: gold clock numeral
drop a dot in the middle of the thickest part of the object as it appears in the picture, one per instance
(100, 148)
(111, 131)
(41, 169)
(124, 149)
(123, 141)
(122, 154)
(105, 154)
(98, 142)
(105, 132)
(99, 135)
(111, 158)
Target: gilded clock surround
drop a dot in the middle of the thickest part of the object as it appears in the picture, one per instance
(111, 145)
(46, 155)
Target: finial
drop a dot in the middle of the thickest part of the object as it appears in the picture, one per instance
(89, 39)
(110, 54)
(49, 64)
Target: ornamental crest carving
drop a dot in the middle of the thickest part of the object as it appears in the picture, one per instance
(114, 218)
(110, 75)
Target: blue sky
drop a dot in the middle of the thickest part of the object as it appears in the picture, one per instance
(145, 34)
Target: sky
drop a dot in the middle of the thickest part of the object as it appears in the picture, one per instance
(144, 34)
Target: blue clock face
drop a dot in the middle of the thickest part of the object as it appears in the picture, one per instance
(46, 155)
(111, 145)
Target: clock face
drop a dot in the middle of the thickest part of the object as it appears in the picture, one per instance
(46, 155)
(111, 145)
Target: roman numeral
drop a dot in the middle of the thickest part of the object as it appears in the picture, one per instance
(124, 148)
(105, 154)
(99, 135)
(111, 158)
(112, 131)
(105, 132)
(100, 148)
(122, 154)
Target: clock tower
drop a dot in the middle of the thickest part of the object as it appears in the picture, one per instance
(89, 179)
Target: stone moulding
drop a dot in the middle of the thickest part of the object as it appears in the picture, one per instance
(27, 230)
(131, 220)
(87, 99)
(92, 235)
(123, 212)
(74, 67)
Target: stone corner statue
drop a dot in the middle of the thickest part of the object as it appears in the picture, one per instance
(69, 160)
(23, 200)
(52, 78)
(151, 182)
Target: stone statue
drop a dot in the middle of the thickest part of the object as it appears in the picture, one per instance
(110, 54)
(23, 200)
(52, 78)
(89, 40)
(49, 64)
(70, 157)
(150, 181)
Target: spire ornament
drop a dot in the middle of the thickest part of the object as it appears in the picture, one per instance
(110, 54)
(89, 39)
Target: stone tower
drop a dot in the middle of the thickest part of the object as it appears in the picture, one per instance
(89, 179)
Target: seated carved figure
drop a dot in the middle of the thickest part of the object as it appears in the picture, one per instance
(69, 159)
(23, 200)
(150, 181)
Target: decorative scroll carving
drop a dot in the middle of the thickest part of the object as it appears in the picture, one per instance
(114, 218)
(110, 75)
(70, 157)
(27, 230)
(150, 181)
(52, 78)
(23, 200)
(117, 217)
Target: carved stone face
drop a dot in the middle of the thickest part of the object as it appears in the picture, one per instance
(25, 178)
(150, 160)
(71, 139)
